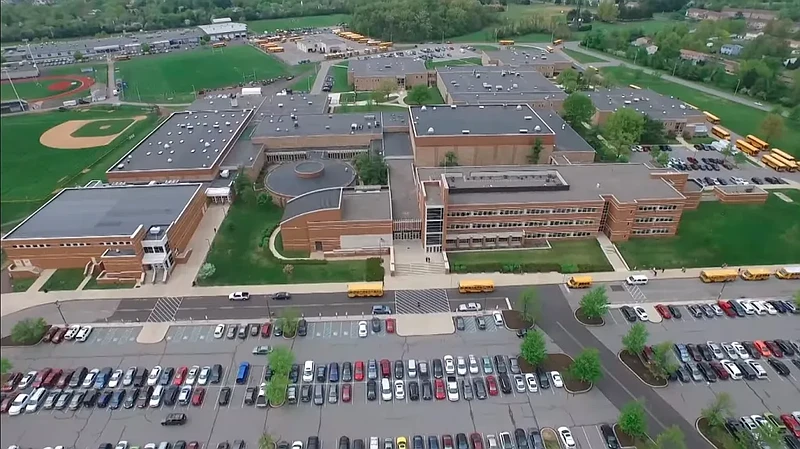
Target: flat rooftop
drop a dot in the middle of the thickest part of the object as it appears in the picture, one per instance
(359, 205)
(528, 56)
(567, 139)
(495, 79)
(542, 184)
(404, 192)
(378, 67)
(106, 211)
(646, 101)
(186, 140)
(84, 44)
(327, 39)
(477, 120)
(280, 103)
(210, 102)
(397, 145)
(286, 125)
(299, 177)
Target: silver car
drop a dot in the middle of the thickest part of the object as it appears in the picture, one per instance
(466, 390)
(519, 383)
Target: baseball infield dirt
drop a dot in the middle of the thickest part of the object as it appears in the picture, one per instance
(60, 136)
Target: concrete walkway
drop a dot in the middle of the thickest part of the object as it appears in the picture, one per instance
(41, 280)
(612, 253)
(272, 238)
(184, 274)
(319, 81)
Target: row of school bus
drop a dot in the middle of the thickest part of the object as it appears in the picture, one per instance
(375, 289)
(777, 159)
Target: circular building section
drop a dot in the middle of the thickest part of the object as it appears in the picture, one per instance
(292, 179)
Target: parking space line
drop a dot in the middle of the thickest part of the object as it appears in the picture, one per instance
(338, 332)
(587, 437)
(613, 318)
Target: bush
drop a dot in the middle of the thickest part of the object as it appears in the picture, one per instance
(206, 271)
(496, 267)
(29, 331)
(374, 269)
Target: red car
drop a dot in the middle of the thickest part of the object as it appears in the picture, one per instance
(776, 350)
(180, 376)
(65, 378)
(663, 311)
(727, 308)
(58, 337)
(6, 404)
(197, 396)
(722, 373)
(52, 378)
(193, 445)
(11, 382)
(40, 377)
(347, 392)
(477, 441)
(359, 374)
(390, 325)
(386, 369)
(791, 424)
(265, 330)
(438, 387)
(491, 384)
(49, 334)
(762, 348)
(447, 442)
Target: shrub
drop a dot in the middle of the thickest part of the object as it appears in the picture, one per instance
(374, 269)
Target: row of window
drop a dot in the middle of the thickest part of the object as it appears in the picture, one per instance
(153, 249)
(661, 207)
(558, 235)
(519, 224)
(651, 231)
(655, 220)
(72, 245)
(496, 212)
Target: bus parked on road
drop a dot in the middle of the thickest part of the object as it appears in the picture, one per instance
(506, 42)
(791, 272)
(365, 290)
(713, 119)
(756, 274)
(720, 132)
(756, 142)
(579, 282)
(721, 275)
(476, 286)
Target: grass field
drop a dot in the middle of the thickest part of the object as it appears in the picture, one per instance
(434, 97)
(100, 71)
(352, 97)
(737, 117)
(174, 77)
(31, 172)
(332, 20)
(452, 63)
(339, 74)
(583, 252)
(305, 77)
(64, 279)
(102, 128)
(21, 285)
(733, 234)
(30, 89)
(581, 57)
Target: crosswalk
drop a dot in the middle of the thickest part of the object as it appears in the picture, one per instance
(421, 301)
(165, 309)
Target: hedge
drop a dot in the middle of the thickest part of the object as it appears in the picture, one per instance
(496, 267)
(374, 269)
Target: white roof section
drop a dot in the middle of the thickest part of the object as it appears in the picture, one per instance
(224, 28)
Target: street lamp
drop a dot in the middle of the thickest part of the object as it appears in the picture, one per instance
(58, 306)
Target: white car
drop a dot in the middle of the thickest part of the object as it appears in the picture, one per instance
(452, 389)
(122, 445)
(730, 351)
(740, 350)
(399, 390)
(491, 442)
(498, 318)
(88, 381)
(749, 423)
(185, 394)
(717, 310)
(761, 373)
(566, 438)
(770, 308)
(27, 380)
(761, 421)
(113, 382)
(219, 331)
(641, 313)
(239, 296)
(470, 307)
(155, 399)
(530, 380)
(557, 381)
(759, 306)
(83, 334)
(154, 376)
(72, 332)
(18, 405)
(732, 369)
(297, 445)
(192, 376)
(519, 383)
(202, 378)
(362, 329)
(374, 443)
(449, 365)
(716, 349)
(461, 366)
(473, 365)
(747, 306)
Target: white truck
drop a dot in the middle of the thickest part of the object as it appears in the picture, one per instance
(70, 103)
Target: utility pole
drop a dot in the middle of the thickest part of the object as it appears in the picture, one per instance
(14, 88)
(58, 306)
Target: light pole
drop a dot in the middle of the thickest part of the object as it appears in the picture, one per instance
(58, 306)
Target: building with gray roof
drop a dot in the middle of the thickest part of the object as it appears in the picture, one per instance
(300, 104)
(293, 179)
(496, 85)
(490, 120)
(224, 30)
(672, 112)
(368, 74)
(528, 58)
(293, 131)
(569, 143)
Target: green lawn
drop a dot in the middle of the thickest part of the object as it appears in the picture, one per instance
(29, 89)
(268, 25)
(100, 71)
(102, 128)
(352, 97)
(304, 80)
(22, 285)
(452, 63)
(93, 285)
(240, 252)
(339, 74)
(733, 234)
(581, 253)
(64, 279)
(434, 97)
(741, 119)
(581, 57)
(175, 77)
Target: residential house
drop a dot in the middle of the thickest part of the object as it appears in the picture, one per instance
(731, 49)
(691, 55)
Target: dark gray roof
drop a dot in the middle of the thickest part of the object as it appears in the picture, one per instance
(320, 125)
(186, 140)
(396, 144)
(312, 201)
(285, 179)
(486, 79)
(366, 205)
(567, 139)
(243, 154)
(531, 57)
(655, 105)
(404, 193)
(505, 97)
(282, 104)
(209, 102)
(478, 120)
(106, 211)
(378, 67)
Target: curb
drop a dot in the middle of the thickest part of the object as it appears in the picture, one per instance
(591, 385)
(637, 376)
(575, 314)
(697, 427)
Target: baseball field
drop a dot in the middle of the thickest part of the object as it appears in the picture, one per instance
(175, 76)
(42, 153)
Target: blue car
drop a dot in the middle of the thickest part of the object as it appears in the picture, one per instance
(333, 372)
(101, 380)
(104, 399)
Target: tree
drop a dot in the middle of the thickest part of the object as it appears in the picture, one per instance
(288, 270)
(206, 271)
(607, 11)
(419, 94)
(569, 79)
(372, 169)
(797, 299)
(718, 411)
(5, 366)
(242, 184)
(77, 55)
(636, 339)
(263, 199)
(586, 366)
(529, 305)
(578, 109)
(450, 159)
(769, 435)
(145, 48)
(664, 361)
(652, 132)
(280, 361)
(772, 127)
(533, 348)
(288, 321)
(740, 158)
(536, 151)
(29, 331)
(276, 390)
(266, 441)
(670, 438)
(623, 129)
(595, 303)
(727, 151)
(632, 420)
(381, 94)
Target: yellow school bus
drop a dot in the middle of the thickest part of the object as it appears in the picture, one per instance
(476, 286)
(756, 274)
(721, 132)
(722, 275)
(218, 45)
(743, 145)
(777, 152)
(579, 282)
(506, 42)
(557, 42)
(275, 49)
(550, 49)
(792, 272)
(365, 289)
(713, 119)
(790, 165)
(756, 142)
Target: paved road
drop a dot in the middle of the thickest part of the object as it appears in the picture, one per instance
(111, 84)
(324, 67)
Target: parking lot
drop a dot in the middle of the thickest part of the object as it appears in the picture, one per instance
(326, 342)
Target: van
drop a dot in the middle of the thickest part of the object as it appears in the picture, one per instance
(155, 399)
(733, 370)
(636, 279)
(579, 282)
(241, 375)
(386, 389)
(308, 371)
(412, 368)
(36, 400)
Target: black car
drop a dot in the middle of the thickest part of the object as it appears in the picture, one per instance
(779, 366)
(521, 438)
(250, 395)
(461, 441)
(305, 393)
(144, 397)
(740, 312)
(433, 442)
(756, 180)
(224, 396)
(130, 399)
(216, 374)
(372, 390)
(629, 314)
(505, 383)
(376, 324)
(398, 370)
(682, 373)
(796, 362)
(333, 372)
(77, 377)
(344, 443)
(427, 390)
(438, 370)
(117, 398)
(282, 296)
(302, 327)
(500, 363)
(705, 352)
(90, 398)
(294, 373)
(675, 311)
(786, 347)
(322, 373)
(707, 372)
(609, 437)
(166, 376)
(174, 419)
(417, 442)
(277, 329)
(479, 387)
(104, 399)
(413, 390)
(778, 305)
(171, 395)
(747, 371)
(313, 442)
(544, 380)
(751, 349)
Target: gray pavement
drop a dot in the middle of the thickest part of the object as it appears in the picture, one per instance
(324, 67)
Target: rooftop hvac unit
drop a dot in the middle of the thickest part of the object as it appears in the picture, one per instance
(528, 117)
(523, 131)
(537, 128)
(423, 108)
(430, 130)
(452, 106)
(155, 230)
(464, 131)
(519, 107)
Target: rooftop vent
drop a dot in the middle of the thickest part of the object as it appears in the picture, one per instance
(452, 106)
(528, 117)
(464, 131)
(523, 131)
(480, 107)
(169, 160)
(423, 108)
(519, 107)
(537, 128)
(430, 130)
